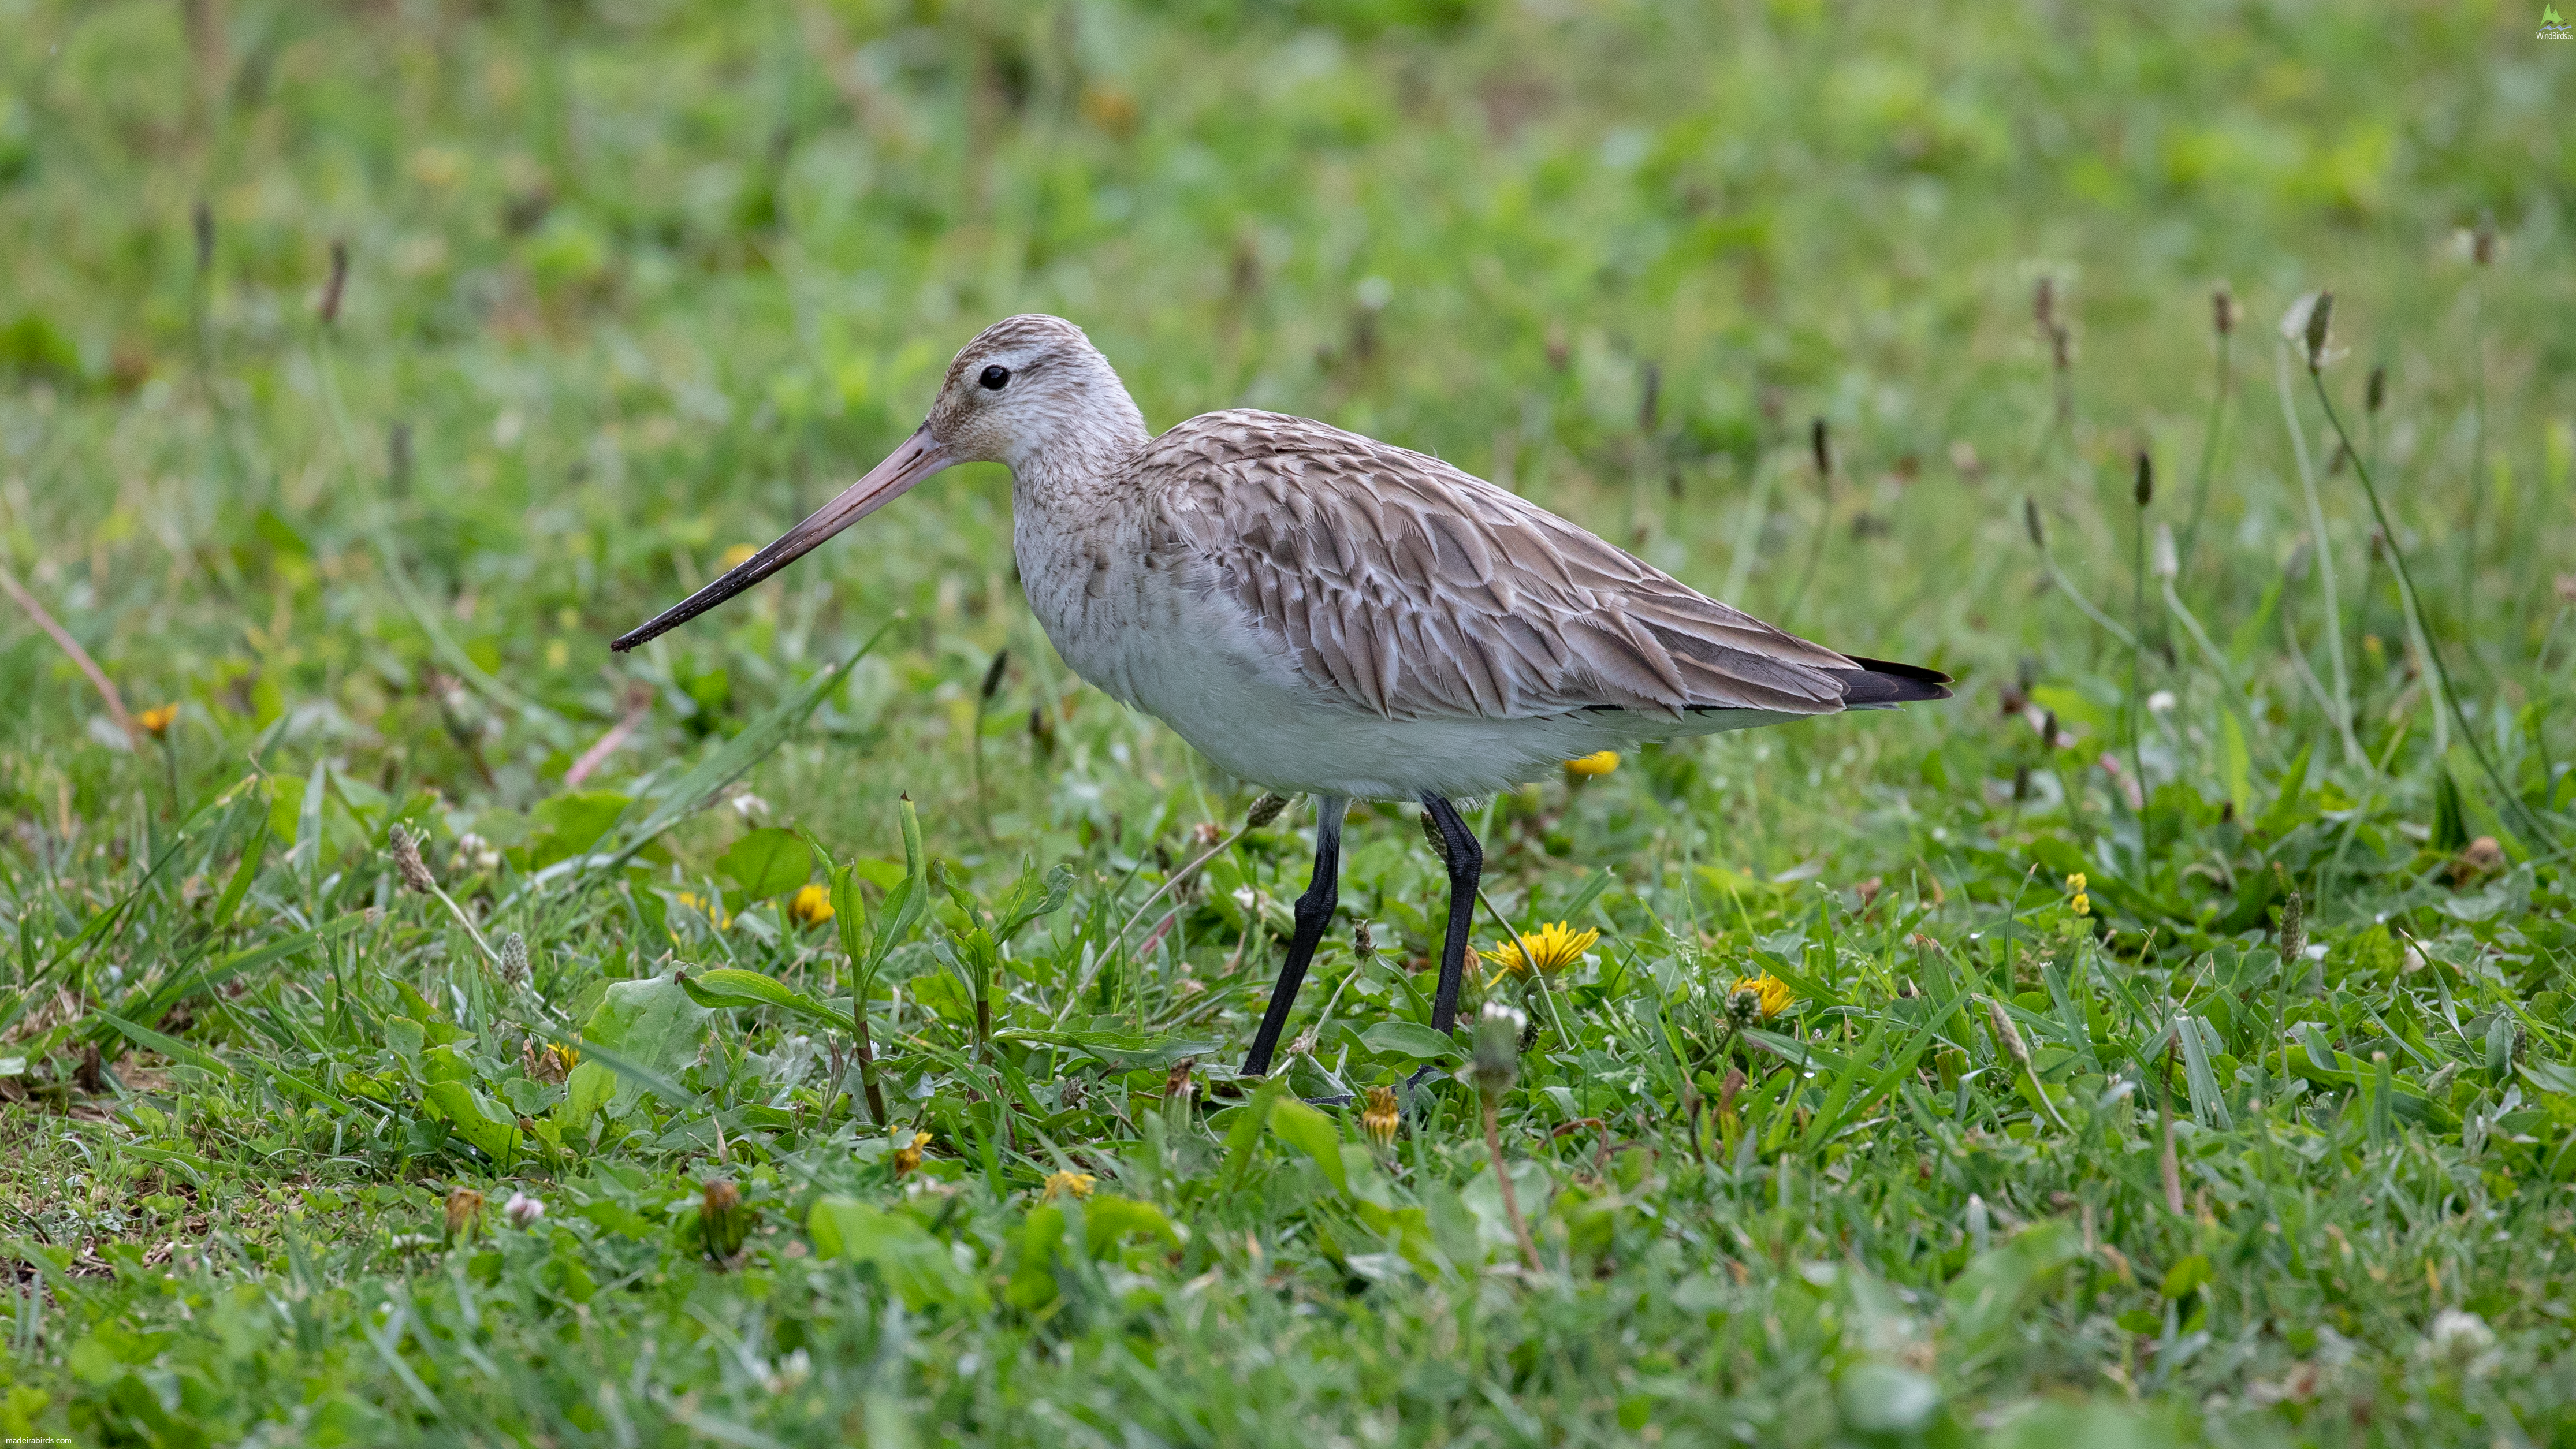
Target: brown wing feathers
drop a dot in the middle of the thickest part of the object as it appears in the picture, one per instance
(1417, 591)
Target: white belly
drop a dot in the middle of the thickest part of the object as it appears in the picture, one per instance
(1195, 662)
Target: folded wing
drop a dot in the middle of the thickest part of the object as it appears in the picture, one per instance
(1414, 591)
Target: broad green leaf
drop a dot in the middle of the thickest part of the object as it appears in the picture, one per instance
(586, 1091)
(444, 1063)
(732, 987)
(1886, 1398)
(1107, 1220)
(1033, 1281)
(767, 863)
(1408, 1039)
(1312, 1133)
(1990, 1296)
(493, 1130)
(2187, 1274)
(652, 1024)
(914, 1264)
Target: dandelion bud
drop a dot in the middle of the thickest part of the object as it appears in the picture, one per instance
(1380, 1118)
(2165, 561)
(2030, 521)
(514, 959)
(2376, 397)
(1821, 443)
(993, 675)
(2294, 928)
(2482, 242)
(2223, 311)
(1265, 810)
(1363, 945)
(1743, 1005)
(722, 1220)
(522, 1210)
(2145, 488)
(1496, 1058)
(464, 1213)
(407, 861)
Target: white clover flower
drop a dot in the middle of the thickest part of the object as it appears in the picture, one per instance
(2461, 1341)
(523, 1210)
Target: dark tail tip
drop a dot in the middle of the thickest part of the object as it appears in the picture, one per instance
(1878, 683)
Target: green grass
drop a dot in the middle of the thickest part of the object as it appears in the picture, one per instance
(632, 284)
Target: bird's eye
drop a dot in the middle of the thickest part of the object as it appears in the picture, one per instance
(996, 377)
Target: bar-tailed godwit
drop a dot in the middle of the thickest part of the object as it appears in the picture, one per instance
(1325, 614)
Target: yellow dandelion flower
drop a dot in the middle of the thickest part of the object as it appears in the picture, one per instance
(1770, 994)
(907, 1153)
(1599, 762)
(714, 911)
(810, 906)
(738, 555)
(1380, 1119)
(1549, 948)
(1077, 1184)
(157, 720)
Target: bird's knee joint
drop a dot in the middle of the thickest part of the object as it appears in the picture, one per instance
(1316, 905)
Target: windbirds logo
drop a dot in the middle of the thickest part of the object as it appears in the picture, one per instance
(2553, 28)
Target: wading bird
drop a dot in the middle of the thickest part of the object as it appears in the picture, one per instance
(1321, 613)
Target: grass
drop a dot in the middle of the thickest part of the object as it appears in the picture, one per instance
(2177, 1044)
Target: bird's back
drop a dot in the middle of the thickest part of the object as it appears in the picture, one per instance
(1413, 590)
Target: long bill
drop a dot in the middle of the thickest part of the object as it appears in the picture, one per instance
(920, 456)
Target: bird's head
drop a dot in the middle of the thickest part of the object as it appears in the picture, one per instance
(1027, 391)
(1030, 387)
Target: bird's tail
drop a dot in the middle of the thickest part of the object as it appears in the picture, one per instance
(1878, 684)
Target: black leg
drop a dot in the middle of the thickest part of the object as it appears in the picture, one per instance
(1314, 913)
(1466, 861)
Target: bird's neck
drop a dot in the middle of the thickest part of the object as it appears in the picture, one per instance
(1089, 447)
